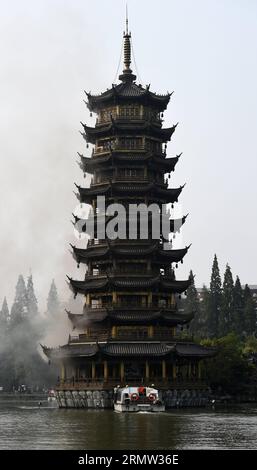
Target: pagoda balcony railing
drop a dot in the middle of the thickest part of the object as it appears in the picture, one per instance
(131, 119)
(129, 178)
(106, 335)
(118, 148)
(121, 273)
(110, 272)
(138, 241)
(150, 380)
(130, 271)
(130, 305)
(73, 383)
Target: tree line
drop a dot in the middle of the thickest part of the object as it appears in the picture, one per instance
(22, 366)
(225, 318)
(222, 308)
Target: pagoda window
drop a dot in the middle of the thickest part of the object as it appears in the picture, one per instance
(130, 172)
(132, 268)
(105, 114)
(161, 301)
(102, 176)
(153, 145)
(129, 112)
(101, 301)
(138, 332)
(104, 145)
(132, 300)
(130, 143)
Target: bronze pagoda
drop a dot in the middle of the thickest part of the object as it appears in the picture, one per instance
(128, 330)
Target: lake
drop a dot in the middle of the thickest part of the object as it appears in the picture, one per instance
(25, 425)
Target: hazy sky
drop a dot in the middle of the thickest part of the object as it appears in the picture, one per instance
(51, 50)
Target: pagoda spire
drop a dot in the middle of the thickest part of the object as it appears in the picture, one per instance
(127, 75)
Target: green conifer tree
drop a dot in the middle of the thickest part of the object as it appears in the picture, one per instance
(53, 303)
(249, 312)
(204, 312)
(192, 306)
(237, 318)
(227, 304)
(214, 307)
(31, 298)
(4, 318)
(19, 310)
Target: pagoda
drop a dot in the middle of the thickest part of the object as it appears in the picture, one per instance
(128, 329)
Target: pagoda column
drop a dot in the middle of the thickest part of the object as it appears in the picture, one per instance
(189, 370)
(105, 371)
(174, 371)
(199, 370)
(93, 370)
(150, 331)
(164, 369)
(114, 297)
(63, 372)
(122, 371)
(114, 331)
(147, 370)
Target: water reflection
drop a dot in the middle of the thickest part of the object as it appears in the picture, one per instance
(26, 426)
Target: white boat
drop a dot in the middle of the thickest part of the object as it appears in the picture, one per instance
(136, 399)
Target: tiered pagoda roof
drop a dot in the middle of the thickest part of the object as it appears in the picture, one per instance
(81, 224)
(90, 164)
(123, 349)
(121, 127)
(126, 92)
(82, 255)
(119, 315)
(106, 282)
(156, 192)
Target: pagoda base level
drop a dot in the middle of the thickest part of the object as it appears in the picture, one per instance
(91, 398)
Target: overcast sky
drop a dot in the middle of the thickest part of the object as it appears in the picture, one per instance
(51, 50)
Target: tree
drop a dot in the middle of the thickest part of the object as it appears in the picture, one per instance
(228, 371)
(204, 312)
(249, 312)
(227, 304)
(53, 303)
(214, 307)
(192, 306)
(5, 360)
(4, 317)
(19, 309)
(31, 298)
(237, 317)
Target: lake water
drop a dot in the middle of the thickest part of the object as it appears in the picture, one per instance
(23, 425)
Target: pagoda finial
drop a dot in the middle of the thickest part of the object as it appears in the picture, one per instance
(126, 18)
(127, 74)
